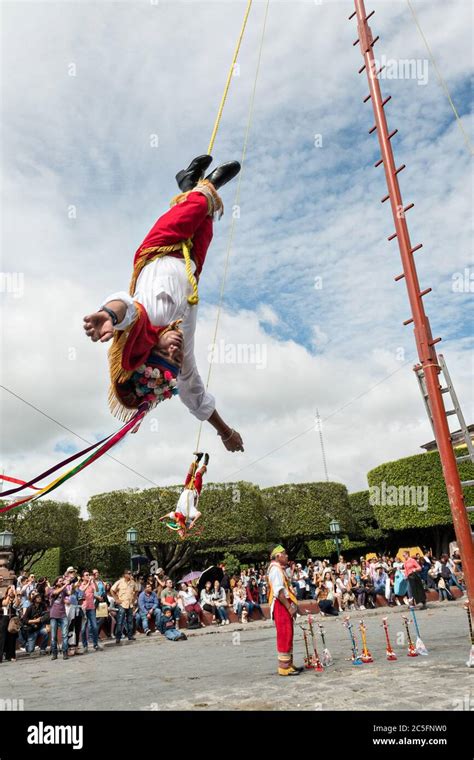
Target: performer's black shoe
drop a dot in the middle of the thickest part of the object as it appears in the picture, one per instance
(223, 174)
(206, 460)
(199, 455)
(188, 178)
(297, 669)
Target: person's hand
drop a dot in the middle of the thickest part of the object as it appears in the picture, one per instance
(293, 609)
(170, 345)
(233, 441)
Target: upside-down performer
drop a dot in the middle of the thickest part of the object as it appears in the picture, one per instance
(283, 609)
(152, 354)
(187, 514)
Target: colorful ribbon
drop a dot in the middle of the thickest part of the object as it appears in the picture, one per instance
(101, 448)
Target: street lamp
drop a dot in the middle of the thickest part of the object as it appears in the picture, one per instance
(6, 575)
(335, 529)
(132, 538)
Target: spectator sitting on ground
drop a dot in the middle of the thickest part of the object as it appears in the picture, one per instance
(169, 600)
(189, 601)
(219, 599)
(253, 597)
(148, 608)
(168, 626)
(240, 603)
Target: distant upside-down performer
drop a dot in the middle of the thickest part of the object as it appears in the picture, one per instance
(153, 326)
(186, 513)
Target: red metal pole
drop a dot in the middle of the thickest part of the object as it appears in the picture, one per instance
(423, 337)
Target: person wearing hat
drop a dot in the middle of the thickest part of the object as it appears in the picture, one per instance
(153, 326)
(283, 609)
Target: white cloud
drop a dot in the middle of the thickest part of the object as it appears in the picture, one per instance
(84, 141)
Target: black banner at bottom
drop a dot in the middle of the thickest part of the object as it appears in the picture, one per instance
(377, 734)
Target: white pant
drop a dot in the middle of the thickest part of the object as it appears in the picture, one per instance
(162, 288)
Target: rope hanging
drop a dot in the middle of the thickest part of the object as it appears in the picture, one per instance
(229, 77)
(239, 185)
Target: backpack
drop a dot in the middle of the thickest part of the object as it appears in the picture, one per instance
(193, 620)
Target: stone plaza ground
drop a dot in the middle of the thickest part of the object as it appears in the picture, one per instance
(233, 668)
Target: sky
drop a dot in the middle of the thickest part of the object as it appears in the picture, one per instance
(103, 102)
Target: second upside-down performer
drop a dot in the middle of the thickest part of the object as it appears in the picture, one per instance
(186, 514)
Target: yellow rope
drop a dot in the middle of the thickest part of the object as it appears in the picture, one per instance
(194, 298)
(441, 81)
(229, 78)
(236, 203)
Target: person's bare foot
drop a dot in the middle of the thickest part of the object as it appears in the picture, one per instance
(98, 326)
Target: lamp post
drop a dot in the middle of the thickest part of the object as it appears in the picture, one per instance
(132, 538)
(6, 575)
(335, 529)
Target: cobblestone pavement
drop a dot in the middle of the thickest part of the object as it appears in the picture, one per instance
(233, 668)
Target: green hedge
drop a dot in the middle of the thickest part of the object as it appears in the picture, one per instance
(49, 566)
(399, 488)
(304, 510)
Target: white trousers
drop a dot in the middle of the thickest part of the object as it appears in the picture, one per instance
(162, 289)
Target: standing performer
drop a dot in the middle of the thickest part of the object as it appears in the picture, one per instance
(152, 354)
(186, 514)
(283, 610)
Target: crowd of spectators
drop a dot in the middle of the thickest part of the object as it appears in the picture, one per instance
(355, 584)
(81, 606)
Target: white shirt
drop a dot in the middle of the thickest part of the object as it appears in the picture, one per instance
(275, 578)
(187, 503)
(162, 288)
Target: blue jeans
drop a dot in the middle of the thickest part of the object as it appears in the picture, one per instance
(141, 617)
(222, 613)
(251, 606)
(453, 581)
(124, 618)
(33, 636)
(90, 622)
(240, 607)
(55, 624)
(175, 610)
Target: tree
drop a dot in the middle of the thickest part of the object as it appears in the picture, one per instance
(40, 526)
(232, 514)
(410, 493)
(301, 512)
